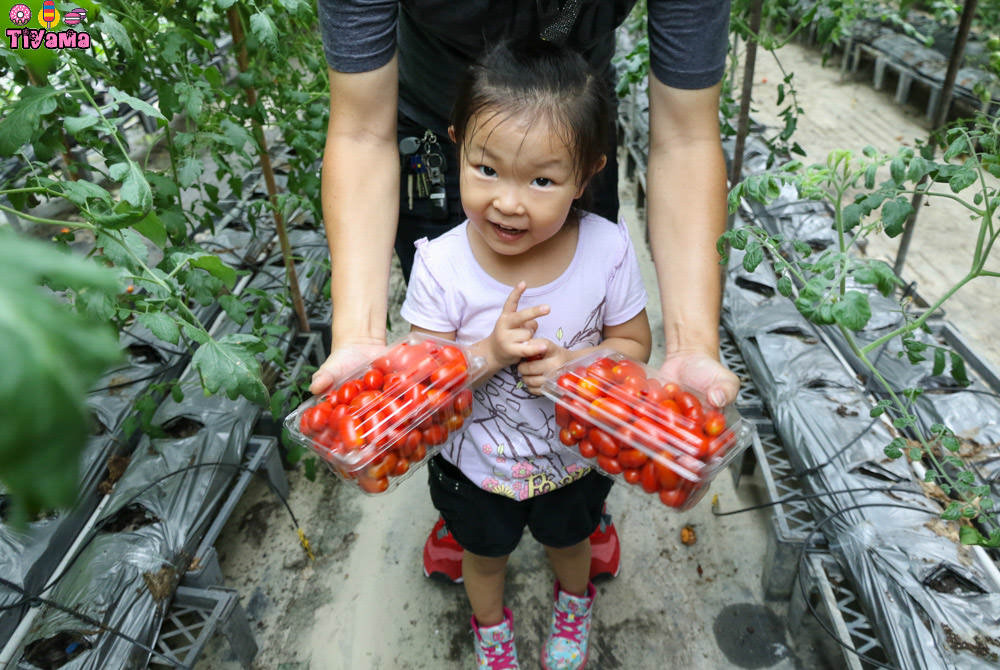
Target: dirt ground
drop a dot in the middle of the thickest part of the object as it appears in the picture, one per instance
(363, 602)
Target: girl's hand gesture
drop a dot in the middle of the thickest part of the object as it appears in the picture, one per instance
(511, 339)
(534, 369)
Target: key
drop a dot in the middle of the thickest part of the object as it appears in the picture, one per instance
(409, 146)
(409, 188)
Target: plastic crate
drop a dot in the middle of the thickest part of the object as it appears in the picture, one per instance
(823, 589)
(195, 615)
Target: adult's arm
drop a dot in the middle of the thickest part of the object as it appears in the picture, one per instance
(360, 198)
(686, 191)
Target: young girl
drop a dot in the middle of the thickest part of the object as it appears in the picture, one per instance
(530, 282)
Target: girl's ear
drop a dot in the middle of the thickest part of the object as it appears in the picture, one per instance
(597, 168)
(451, 133)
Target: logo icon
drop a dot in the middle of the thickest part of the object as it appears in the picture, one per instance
(49, 16)
(20, 15)
(75, 16)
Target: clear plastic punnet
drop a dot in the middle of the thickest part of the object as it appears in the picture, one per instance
(655, 435)
(391, 414)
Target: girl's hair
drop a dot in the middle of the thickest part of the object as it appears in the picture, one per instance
(531, 78)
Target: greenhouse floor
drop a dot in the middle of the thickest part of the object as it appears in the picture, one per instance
(364, 604)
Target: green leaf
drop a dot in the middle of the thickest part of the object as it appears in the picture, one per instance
(264, 30)
(894, 449)
(74, 124)
(188, 171)
(939, 361)
(969, 535)
(162, 325)
(23, 120)
(110, 26)
(962, 179)
(135, 103)
(894, 214)
(897, 170)
(852, 311)
(51, 357)
(152, 229)
(851, 215)
(958, 147)
(917, 169)
(754, 256)
(958, 369)
(785, 286)
(215, 267)
(224, 4)
(952, 512)
(236, 310)
(228, 364)
(951, 443)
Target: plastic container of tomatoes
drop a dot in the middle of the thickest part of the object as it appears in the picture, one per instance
(392, 413)
(654, 435)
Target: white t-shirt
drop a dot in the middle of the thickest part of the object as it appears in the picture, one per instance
(511, 444)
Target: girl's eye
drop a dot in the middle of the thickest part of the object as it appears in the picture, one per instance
(487, 170)
(542, 181)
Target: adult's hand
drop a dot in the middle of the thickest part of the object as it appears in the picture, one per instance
(704, 374)
(342, 362)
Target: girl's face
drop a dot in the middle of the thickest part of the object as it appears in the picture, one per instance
(517, 182)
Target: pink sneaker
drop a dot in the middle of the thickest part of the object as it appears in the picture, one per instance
(569, 635)
(495, 645)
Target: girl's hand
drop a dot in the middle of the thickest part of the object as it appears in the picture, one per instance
(511, 339)
(533, 370)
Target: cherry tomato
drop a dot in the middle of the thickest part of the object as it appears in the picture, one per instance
(563, 416)
(673, 498)
(588, 389)
(350, 432)
(373, 485)
(419, 454)
(647, 478)
(686, 402)
(452, 354)
(631, 475)
(654, 391)
(605, 407)
(625, 368)
(609, 464)
(447, 376)
(348, 390)
(385, 465)
(410, 442)
(577, 429)
(435, 434)
(587, 450)
(671, 390)
(566, 437)
(715, 422)
(463, 402)
(312, 421)
(372, 379)
(665, 473)
(454, 422)
(632, 458)
(402, 467)
(604, 443)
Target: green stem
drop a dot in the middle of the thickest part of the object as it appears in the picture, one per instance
(919, 322)
(48, 222)
(97, 108)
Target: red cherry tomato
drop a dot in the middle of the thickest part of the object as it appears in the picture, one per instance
(648, 479)
(566, 437)
(606, 408)
(350, 432)
(715, 422)
(609, 464)
(577, 429)
(587, 450)
(348, 390)
(671, 390)
(373, 485)
(383, 467)
(463, 402)
(673, 498)
(435, 434)
(372, 379)
(631, 475)
(604, 443)
(454, 422)
(452, 354)
(665, 474)
(402, 467)
(632, 458)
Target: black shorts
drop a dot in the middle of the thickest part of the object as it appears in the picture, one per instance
(489, 524)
